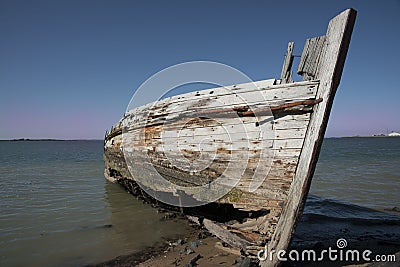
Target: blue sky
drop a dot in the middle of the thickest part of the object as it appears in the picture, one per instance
(69, 68)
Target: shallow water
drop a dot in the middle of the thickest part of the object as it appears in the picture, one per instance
(58, 210)
(361, 171)
(355, 187)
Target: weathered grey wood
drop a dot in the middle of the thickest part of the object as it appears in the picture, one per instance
(311, 57)
(268, 90)
(286, 74)
(224, 235)
(329, 73)
(230, 250)
(169, 108)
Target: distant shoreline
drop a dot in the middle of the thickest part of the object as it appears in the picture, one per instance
(368, 136)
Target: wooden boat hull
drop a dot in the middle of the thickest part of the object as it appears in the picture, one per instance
(258, 143)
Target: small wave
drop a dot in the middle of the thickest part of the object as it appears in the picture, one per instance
(337, 210)
(312, 217)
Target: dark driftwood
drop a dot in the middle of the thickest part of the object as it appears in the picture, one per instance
(223, 234)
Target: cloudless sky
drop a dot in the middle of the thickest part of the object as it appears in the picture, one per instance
(69, 68)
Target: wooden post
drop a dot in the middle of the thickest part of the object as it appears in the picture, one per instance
(286, 74)
(328, 71)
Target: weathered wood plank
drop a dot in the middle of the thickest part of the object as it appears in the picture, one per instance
(311, 57)
(265, 85)
(236, 132)
(236, 145)
(225, 235)
(221, 92)
(329, 73)
(160, 113)
(249, 123)
(286, 74)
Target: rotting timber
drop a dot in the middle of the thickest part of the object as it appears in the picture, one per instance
(243, 219)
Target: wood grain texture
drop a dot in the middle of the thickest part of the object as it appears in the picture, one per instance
(286, 74)
(329, 73)
(310, 58)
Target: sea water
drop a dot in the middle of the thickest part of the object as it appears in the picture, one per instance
(58, 210)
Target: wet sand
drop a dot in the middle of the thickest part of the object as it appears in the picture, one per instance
(204, 252)
(208, 251)
(199, 248)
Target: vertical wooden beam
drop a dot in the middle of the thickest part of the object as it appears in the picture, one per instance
(329, 72)
(286, 74)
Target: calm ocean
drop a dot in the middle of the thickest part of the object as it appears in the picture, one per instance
(58, 210)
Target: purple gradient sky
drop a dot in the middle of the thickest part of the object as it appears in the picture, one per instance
(69, 68)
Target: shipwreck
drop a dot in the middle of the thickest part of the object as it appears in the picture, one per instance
(273, 169)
